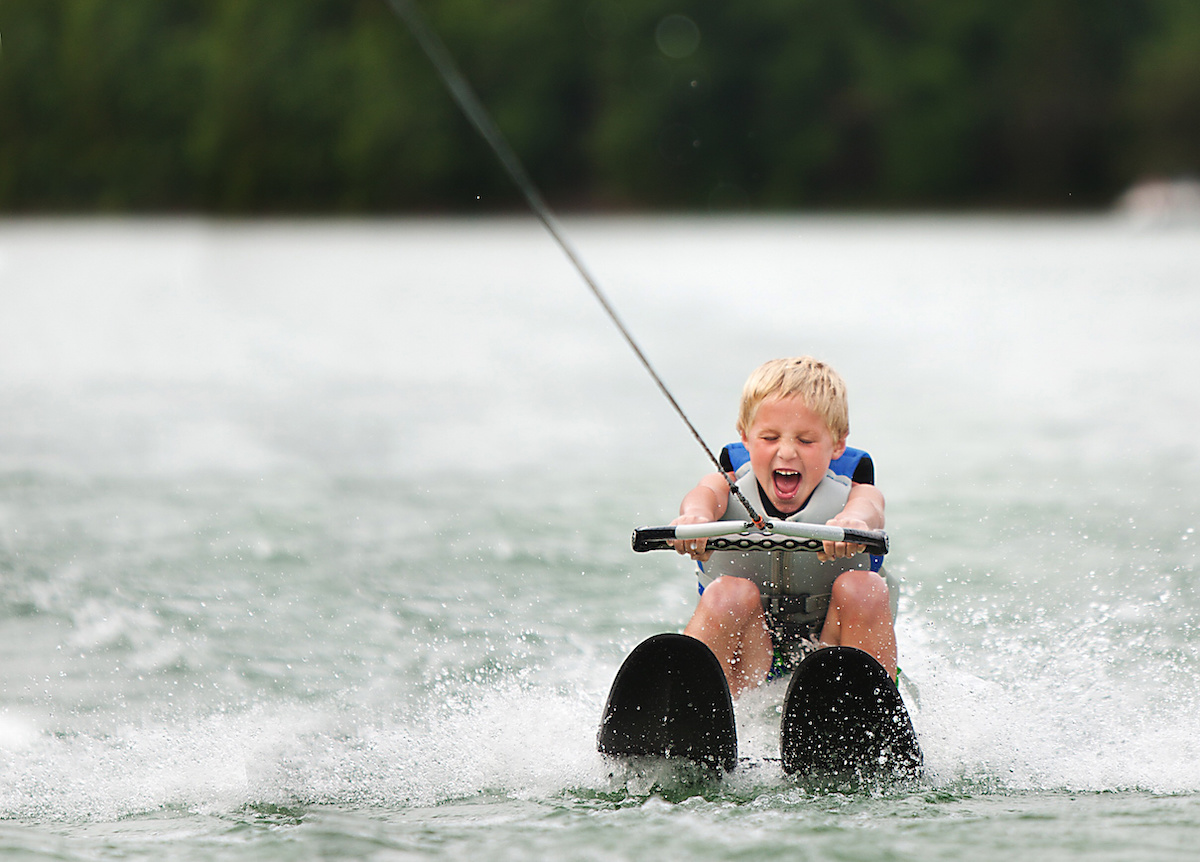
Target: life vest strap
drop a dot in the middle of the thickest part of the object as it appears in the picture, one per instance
(779, 606)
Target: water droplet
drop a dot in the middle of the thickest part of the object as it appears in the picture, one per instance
(677, 36)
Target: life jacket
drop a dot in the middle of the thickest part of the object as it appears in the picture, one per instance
(853, 463)
(795, 585)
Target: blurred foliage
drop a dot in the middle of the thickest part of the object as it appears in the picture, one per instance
(247, 106)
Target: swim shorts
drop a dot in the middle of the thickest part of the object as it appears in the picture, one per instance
(789, 653)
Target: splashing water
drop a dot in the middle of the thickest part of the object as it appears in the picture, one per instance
(323, 528)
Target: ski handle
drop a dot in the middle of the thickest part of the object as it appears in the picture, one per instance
(742, 536)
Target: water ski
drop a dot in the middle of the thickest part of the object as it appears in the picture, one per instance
(670, 699)
(843, 715)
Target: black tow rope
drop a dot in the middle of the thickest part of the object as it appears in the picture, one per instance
(478, 116)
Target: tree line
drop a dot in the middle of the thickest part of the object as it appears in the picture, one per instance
(261, 106)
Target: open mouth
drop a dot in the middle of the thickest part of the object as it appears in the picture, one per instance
(787, 483)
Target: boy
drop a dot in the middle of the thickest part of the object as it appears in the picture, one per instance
(760, 613)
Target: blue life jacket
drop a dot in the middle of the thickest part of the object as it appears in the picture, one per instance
(855, 464)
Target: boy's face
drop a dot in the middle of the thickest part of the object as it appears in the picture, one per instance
(790, 449)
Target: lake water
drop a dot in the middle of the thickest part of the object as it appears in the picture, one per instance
(314, 536)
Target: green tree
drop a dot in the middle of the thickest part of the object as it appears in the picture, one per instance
(1160, 99)
(249, 106)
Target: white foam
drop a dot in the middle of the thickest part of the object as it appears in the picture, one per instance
(519, 741)
(1066, 725)
(16, 733)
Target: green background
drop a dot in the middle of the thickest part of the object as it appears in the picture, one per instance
(328, 106)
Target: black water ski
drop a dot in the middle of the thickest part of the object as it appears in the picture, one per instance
(670, 699)
(843, 714)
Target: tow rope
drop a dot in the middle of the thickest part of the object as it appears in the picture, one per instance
(479, 117)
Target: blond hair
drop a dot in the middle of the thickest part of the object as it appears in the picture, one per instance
(817, 385)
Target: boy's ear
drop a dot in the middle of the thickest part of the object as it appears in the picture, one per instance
(839, 448)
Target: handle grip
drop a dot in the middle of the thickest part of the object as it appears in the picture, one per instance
(740, 536)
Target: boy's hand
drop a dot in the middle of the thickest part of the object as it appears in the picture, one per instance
(693, 548)
(837, 550)
(704, 503)
(863, 511)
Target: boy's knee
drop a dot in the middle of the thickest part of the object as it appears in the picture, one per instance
(733, 595)
(864, 593)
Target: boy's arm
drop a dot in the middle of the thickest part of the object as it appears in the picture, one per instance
(706, 502)
(863, 511)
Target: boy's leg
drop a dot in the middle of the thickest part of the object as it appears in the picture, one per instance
(729, 619)
(860, 615)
